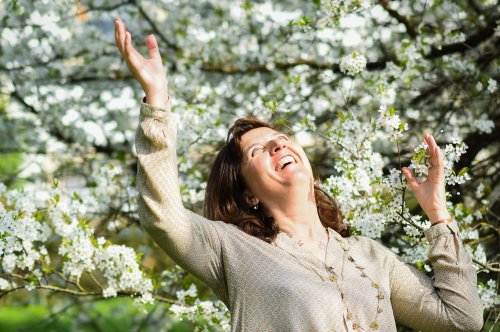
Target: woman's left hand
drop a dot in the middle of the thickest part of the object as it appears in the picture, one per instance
(431, 194)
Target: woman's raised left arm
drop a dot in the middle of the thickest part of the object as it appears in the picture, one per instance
(450, 302)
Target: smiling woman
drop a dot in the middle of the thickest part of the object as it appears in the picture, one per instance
(250, 166)
(274, 248)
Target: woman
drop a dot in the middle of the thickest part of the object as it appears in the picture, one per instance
(277, 260)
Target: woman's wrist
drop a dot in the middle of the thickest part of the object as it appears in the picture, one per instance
(442, 221)
(157, 99)
(439, 217)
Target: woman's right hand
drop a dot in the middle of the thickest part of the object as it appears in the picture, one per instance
(149, 72)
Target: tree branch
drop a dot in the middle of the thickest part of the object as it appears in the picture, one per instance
(400, 18)
(487, 266)
(84, 294)
(471, 42)
(155, 28)
(268, 68)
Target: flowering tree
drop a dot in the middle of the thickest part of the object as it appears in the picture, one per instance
(358, 82)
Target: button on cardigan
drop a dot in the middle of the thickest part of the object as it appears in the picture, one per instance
(281, 286)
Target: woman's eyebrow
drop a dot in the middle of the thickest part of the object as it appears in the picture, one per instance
(258, 143)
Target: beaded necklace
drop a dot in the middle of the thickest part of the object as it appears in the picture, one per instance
(334, 277)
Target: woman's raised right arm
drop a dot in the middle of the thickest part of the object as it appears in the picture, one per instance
(190, 240)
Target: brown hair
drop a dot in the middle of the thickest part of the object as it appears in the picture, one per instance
(225, 194)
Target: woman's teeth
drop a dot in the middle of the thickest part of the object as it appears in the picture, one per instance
(283, 162)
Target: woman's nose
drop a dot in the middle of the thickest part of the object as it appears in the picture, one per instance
(278, 144)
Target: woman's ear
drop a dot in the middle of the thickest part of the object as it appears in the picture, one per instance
(251, 199)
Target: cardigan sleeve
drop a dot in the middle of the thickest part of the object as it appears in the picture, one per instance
(449, 301)
(192, 241)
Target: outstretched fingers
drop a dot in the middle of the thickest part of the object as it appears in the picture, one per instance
(434, 151)
(132, 57)
(120, 35)
(410, 177)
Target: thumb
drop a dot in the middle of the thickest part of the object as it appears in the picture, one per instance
(152, 45)
(410, 177)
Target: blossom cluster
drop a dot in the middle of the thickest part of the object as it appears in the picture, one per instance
(489, 295)
(352, 64)
(336, 9)
(26, 227)
(22, 235)
(389, 120)
(214, 313)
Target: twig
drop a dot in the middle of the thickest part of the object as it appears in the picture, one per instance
(11, 290)
(410, 222)
(401, 179)
(495, 323)
(83, 294)
(95, 280)
(67, 281)
(487, 266)
(410, 29)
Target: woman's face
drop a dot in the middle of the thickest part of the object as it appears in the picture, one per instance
(273, 164)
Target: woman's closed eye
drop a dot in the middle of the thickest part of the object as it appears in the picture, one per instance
(283, 137)
(254, 150)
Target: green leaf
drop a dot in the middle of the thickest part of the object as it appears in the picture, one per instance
(463, 171)
(304, 21)
(38, 215)
(392, 110)
(272, 105)
(246, 6)
(77, 197)
(3, 237)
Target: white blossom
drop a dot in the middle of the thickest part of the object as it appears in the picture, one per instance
(480, 190)
(109, 292)
(492, 85)
(389, 120)
(483, 124)
(352, 64)
(190, 292)
(119, 266)
(4, 284)
(489, 294)
(29, 287)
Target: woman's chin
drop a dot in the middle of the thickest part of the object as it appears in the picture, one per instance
(295, 175)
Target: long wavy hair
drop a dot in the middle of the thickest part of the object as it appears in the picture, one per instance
(225, 197)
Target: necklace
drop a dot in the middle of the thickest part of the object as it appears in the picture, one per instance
(320, 243)
(374, 325)
(334, 277)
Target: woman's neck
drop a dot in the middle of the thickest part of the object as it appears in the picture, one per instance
(300, 220)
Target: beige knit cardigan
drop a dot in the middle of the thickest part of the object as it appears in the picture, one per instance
(281, 286)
